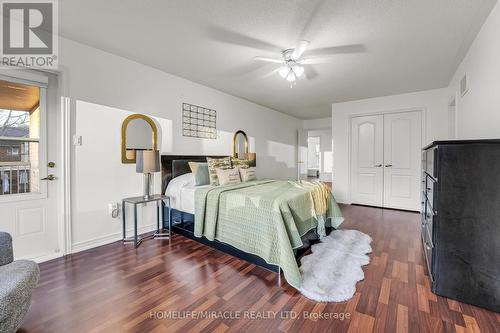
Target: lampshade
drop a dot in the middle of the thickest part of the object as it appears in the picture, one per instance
(147, 161)
(298, 70)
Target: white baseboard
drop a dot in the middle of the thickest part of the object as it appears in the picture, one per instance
(107, 239)
(42, 258)
(343, 201)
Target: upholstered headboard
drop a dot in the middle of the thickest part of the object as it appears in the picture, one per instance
(176, 165)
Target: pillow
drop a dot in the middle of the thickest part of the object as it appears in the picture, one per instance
(247, 174)
(200, 172)
(228, 176)
(213, 163)
(240, 163)
(176, 184)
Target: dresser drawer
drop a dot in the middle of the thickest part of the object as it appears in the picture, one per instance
(430, 160)
(428, 251)
(430, 189)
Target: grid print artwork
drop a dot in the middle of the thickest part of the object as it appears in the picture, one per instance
(199, 122)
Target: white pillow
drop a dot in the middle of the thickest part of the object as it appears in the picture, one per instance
(247, 174)
(228, 176)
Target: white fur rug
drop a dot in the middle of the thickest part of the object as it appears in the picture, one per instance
(331, 272)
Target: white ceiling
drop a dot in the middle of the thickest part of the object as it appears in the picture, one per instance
(398, 45)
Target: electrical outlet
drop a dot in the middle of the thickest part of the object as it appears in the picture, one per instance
(113, 209)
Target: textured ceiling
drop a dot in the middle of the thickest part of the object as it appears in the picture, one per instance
(382, 47)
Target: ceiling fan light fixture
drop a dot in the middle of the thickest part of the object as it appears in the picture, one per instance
(291, 76)
(298, 70)
(283, 72)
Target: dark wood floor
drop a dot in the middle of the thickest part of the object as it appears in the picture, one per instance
(116, 288)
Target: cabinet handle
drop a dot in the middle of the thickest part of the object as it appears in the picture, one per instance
(388, 165)
(378, 166)
(427, 246)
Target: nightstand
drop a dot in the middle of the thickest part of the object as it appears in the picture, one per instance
(158, 198)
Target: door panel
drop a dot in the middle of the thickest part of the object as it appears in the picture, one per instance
(28, 203)
(402, 145)
(367, 158)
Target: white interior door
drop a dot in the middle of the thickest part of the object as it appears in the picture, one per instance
(28, 142)
(367, 157)
(402, 162)
(302, 154)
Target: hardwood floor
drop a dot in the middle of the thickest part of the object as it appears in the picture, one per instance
(116, 288)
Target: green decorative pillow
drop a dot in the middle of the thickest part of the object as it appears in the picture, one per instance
(240, 163)
(200, 172)
(214, 163)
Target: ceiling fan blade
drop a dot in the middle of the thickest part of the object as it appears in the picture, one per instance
(277, 61)
(299, 49)
(316, 60)
(343, 49)
(226, 36)
(271, 73)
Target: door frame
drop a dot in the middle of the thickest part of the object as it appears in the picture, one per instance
(422, 110)
(63, 151)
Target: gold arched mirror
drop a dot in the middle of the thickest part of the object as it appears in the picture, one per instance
(240, 144)
(241, 147)
(139, 132)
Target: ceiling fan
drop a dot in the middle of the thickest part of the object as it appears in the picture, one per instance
(292, 62)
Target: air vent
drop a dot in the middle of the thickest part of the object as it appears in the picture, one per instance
(463, 86)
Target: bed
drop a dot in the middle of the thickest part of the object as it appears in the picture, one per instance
(267, 222)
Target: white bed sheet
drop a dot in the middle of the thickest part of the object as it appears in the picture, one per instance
(181, 191)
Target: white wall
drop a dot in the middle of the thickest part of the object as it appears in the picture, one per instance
(432, 102)
(478, 112)
(105, 88)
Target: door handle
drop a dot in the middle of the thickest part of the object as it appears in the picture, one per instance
(378, 166)
(388, 165)
(49, 177)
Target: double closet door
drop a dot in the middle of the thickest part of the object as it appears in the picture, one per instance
(385, 160)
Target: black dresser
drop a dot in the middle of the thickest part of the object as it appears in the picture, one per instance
(461, 220)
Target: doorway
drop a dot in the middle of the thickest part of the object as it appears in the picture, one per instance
(29, 168)
(313, 157)
(385, 160)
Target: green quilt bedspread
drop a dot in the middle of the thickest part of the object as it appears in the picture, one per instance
(266, 218)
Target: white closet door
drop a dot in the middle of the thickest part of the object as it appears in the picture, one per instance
(367, 159)
(402, 145)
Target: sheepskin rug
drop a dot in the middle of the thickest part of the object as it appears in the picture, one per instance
(331, 272)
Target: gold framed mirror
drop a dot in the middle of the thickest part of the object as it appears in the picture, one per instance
(139, 132)
(241, 147)
(240, 144)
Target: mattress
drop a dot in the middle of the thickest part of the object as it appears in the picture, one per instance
(181, 191)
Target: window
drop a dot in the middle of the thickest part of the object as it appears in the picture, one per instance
(19, 138)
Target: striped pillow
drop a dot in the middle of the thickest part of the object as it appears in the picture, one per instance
(214, 163)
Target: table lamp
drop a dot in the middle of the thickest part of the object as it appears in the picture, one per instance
(147, 162)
